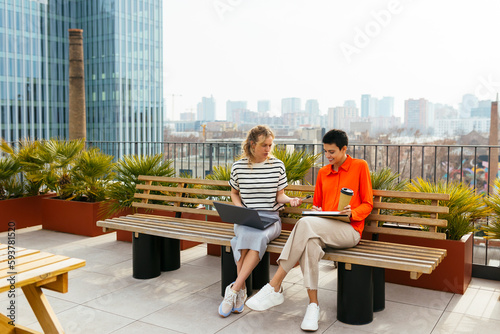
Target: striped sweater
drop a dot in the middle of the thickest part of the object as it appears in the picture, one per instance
(258, 183)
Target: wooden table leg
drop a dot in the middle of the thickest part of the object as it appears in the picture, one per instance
(42, 309)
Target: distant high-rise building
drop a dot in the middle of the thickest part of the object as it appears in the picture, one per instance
(369, 105)
(350, 104)
(123, 57)
(290, 105)
(263, 106)
(312, 110)
(416, 114)
(234, 106)
(365, 105)
(483, 109)
(469, 102)
(385, 107)
(206, 109)
(340, 117)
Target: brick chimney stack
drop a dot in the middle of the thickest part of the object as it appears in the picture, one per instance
(77, 117)
(493, 163)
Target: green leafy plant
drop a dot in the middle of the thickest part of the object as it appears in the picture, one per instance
(121, 192)
(91, 176)
(297, 163)
(10, 186)
(492, 230)
(465, 206)
(27, 181)
(386, 179)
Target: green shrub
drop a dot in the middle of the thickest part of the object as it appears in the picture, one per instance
(465, 206)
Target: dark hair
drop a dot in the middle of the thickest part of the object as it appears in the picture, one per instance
(337, 137)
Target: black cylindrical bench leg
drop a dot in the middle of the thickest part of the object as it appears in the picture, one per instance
(229, 271)
(354, 294)
(378, 289)
(260, 275)
(145, 256)
(170, 254)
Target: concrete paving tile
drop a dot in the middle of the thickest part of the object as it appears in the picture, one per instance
(85, 320)
(416, 296)
(144, 297)
(89, 286)
(477, 302)
(264, 322)
(453, 323)
(399, 318)
(195, 314)
(142, 327)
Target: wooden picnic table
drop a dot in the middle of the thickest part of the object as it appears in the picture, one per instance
(33, 270)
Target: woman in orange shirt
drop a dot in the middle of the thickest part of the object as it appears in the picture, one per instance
(311, 234)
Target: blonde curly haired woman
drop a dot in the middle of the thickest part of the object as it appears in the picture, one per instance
(258, 181)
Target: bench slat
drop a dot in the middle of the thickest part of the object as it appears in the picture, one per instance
(167, 179)
(174, 209)
(411, 194)
(168, 199)
(408, 220)
(410, 207)
(179, 190)
(406, 232)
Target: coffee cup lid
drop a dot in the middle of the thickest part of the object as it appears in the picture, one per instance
(347, 191)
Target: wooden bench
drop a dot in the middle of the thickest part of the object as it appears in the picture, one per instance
(33, 271)
(361, 269)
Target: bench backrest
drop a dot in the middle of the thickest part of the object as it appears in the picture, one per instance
(390, 215)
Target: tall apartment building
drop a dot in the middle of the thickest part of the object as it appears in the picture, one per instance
(123, 56)
(206, 109)
(385, 107)
(290, 105)
(369, 106)
(263, 106)
(416, 114)
(341, 117)
(233, 107)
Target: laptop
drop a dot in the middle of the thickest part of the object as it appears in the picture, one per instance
(243, 216)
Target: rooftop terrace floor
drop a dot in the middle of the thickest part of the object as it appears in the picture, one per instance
(104, 298)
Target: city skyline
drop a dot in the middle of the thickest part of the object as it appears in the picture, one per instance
(329, 51)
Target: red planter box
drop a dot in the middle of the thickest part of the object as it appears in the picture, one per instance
(71, 217)
(24, 211)
(452, 275)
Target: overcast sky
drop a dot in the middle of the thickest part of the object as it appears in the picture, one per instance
(329, 50)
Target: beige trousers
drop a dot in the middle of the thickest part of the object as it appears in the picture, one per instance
(307, 240)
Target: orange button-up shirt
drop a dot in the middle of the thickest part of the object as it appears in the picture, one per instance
(352, 174)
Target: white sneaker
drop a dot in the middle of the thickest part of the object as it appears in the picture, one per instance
(226, 307)
(266, 298)
(310, 322)
(239, 303)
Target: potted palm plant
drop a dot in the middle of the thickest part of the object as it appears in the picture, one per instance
(20, 185)
(81, 180)
(120, 193)
(492, 230)
(465, 208)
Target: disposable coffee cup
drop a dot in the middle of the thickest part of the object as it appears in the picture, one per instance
(345, 198)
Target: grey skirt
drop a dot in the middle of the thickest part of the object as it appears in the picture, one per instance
(255, 239)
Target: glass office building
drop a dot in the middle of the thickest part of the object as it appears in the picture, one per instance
(123, 70)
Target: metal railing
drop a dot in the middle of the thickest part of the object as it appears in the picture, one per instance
(464, 163)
